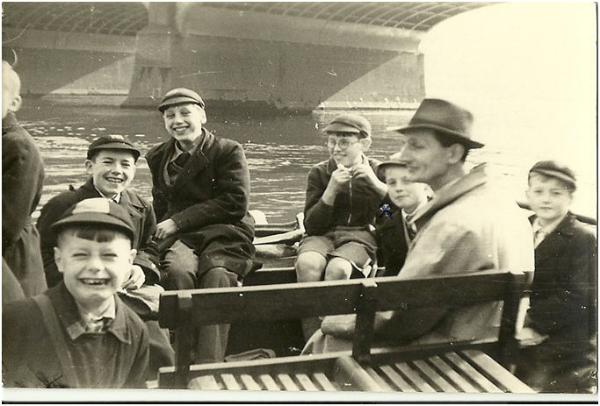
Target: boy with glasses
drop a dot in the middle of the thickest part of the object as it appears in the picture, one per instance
(342, 197)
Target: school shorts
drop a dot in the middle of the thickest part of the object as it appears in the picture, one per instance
(355, 244)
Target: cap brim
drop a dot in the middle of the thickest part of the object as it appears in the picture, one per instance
(341, 128)
(386, 164)
(178, 100)
(460, 138)
(94, 218)
(556, 174)
(117, 146)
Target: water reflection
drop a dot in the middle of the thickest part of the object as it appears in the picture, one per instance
(280, 150)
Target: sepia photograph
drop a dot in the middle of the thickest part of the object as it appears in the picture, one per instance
(299, 201)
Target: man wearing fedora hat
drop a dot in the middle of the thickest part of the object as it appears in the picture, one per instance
(468, 226)
(201, 190)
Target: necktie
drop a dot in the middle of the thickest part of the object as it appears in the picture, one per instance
(538, 237)
(176, 166)
(411, 228)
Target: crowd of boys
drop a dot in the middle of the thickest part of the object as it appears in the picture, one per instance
(106, 253)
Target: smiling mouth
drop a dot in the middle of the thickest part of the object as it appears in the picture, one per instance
(114, 180)
(94, 281)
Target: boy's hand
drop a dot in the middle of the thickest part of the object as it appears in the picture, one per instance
(136, 278)
(339, 178)
(364, 171)
(165, 229)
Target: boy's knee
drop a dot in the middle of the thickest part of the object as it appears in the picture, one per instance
(338, 269)
(218, 277)
(310, 266)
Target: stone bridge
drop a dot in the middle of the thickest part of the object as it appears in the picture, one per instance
(294, 56)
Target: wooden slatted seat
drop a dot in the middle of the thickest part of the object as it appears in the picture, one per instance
(456, 367)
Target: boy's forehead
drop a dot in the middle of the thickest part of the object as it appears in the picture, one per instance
(342, 134)
(181, 106)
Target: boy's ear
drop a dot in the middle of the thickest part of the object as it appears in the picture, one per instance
(366, 143)
(132, 255)
(58, 258)
(15, 104)
(88, 166)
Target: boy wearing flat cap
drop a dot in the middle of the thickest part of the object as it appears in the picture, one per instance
(79, 334)
(201, 190)
(111, 164)
(404, 198)
(561, 320)
(342, 197)
(468, 226)
(22, 180)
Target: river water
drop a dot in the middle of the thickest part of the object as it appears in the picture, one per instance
(280, 149)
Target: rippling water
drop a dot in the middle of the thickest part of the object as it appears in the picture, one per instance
(280, 150)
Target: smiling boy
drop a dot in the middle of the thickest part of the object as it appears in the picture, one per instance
(79, 334)
(111, 165)
(342, 197)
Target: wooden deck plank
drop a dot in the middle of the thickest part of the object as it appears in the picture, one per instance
(472, 373)
(306, 383)
(269, 382)
(414, 377)
(249, 382)
(380, 381)
(396, 379)
(498, 372)
(435, 377)
(453, 376)
(230, 382)
(324, 381)
(287, 382)
(207, 382)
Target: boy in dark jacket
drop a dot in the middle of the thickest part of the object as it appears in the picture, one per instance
(394, 230)
(342, 198)
(201, 190)
(561, 321)
(22, 179)
(111, 165)
(79, 334)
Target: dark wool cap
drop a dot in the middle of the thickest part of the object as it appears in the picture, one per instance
(180, 95)
(112, 142)
(557, 170)
(349, 123)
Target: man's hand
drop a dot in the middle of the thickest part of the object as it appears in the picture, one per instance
(165, 229)
(136, 278)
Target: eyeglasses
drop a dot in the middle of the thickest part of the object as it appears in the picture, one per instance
(342, 142)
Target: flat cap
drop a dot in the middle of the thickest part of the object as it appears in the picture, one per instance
(97, 210)
(113, 141)
(393, 160)
(555, 169)
(180, 95)
(349, 123)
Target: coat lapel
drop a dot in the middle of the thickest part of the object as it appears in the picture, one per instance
(551, 246)
(198, 161)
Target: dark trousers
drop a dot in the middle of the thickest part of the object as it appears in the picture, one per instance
(182, 264)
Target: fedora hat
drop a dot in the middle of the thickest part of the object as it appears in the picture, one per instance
(447, 118)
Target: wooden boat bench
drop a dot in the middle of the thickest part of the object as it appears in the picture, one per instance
(448, 367)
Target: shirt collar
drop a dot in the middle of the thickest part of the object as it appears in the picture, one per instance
(68, 313)
(199, 141)
(548, 228)
(115, 198)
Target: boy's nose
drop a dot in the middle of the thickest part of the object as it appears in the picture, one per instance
(95, 264)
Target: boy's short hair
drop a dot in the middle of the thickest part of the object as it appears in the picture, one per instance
(556, 170)
(349, 123)
(91, 232)
(111, 142)
(99, 213)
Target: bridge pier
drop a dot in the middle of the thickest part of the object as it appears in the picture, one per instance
(157, 49)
